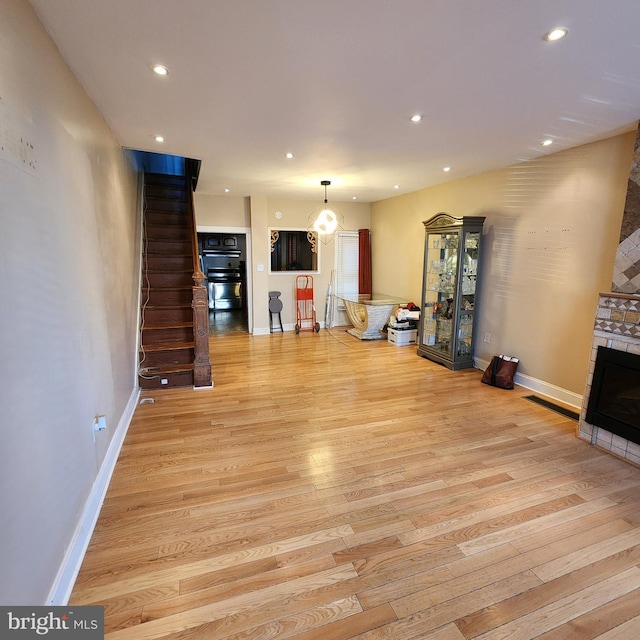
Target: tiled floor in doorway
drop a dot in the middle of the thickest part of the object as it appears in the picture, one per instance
(228, 321)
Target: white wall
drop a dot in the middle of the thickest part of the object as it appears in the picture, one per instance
(69, 269)
(551, 231)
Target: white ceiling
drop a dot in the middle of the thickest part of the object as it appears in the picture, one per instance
(335, 82)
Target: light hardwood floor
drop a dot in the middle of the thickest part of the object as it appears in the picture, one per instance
(328, 488)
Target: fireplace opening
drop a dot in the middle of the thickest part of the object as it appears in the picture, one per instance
(614, 401)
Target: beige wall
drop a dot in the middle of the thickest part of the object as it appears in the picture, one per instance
(550, 238)
(258, 277)
(69, 282)
(221, 211)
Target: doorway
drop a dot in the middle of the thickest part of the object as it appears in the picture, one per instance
(224, 260)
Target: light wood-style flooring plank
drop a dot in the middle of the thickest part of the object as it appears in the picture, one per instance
(333, 488)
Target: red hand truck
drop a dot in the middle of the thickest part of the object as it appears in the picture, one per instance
(305, 307)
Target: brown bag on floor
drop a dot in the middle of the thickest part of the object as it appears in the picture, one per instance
(500, 372)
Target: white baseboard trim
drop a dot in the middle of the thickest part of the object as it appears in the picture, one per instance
(542, 387)
(68, 572)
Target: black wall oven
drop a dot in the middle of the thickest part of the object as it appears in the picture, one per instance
(223, 262)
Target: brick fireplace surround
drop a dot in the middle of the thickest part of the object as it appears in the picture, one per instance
(617, 323)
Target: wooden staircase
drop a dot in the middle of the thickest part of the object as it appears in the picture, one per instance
(174, 347)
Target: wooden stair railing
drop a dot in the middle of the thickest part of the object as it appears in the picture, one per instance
(200, 301)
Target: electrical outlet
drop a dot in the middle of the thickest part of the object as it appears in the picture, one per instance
(164, 381)
(487, 337)
(99, 424)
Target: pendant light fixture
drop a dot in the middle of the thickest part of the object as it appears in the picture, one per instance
(326, 220)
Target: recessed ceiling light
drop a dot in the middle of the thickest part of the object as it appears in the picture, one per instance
(226, 189)
(546, 142)
(159, 138)
(446, 168)
(288, 155)
(555, 34)
(354, 197)
(160, 69)
(416, 117)
(396, 186)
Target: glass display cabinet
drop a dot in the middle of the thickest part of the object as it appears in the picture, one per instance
(451, 264)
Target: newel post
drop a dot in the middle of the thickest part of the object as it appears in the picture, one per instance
(200, 301)
(200, 305)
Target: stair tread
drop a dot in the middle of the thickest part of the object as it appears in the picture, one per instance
(177, 240)
(167, 219)
(166, 368)
(186, 273)
(170, 193)
(176, 208)
(162, 181)
(171, 253)
(168, 197)
(167, 193)
(181, 244)
(170, 288)
(170, 260)
(156, 208)
(168, 307)
(167, 346)
(168, 225)
(164, 234)
(183, 247)
(167, 325)
(153, 254)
